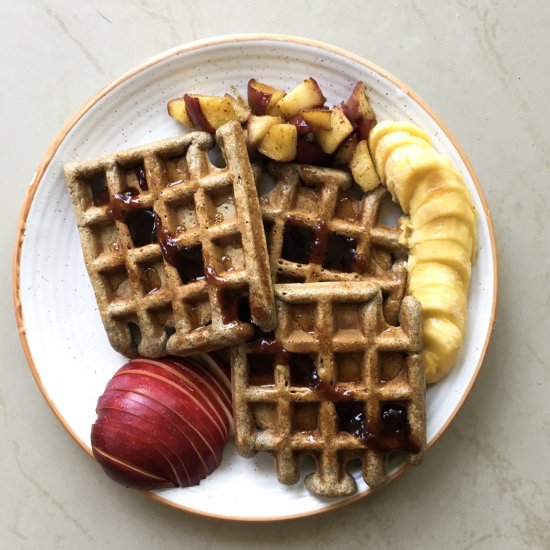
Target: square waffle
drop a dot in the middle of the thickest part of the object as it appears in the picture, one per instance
(318, 230)
(335, 381)
(174, 245)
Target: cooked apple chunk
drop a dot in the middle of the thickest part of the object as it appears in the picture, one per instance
(207, 112)
(362, 167)
(262, 97)
(318, 119)
(306, 95)
(242, 110)
(345, 151)
(258, 126)
(176, 109)
(341, 128)
(279, 143)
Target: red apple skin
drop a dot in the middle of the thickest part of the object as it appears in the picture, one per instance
(258, 100)
(193, 108)
(364, 126)
(309, 152)
(302, 126)
(163, 422)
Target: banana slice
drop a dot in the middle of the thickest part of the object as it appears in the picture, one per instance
(441, 235)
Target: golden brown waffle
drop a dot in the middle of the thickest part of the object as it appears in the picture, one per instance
(318, 230)
(335, 381)
(174, 245)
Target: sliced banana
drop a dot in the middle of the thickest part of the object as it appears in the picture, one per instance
(441, 235)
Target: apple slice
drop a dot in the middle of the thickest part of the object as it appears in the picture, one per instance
(242, 111)
(280, 142)
(309, 152)
(318, 119)
(357, 106)
(262, 96)
(341, 128)
(302, 126)
(208, 113)
(306, 95)
(343, 154)
(258, 126)
(362, 167)
(176, 109)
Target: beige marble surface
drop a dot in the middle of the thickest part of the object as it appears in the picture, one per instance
(484, 67)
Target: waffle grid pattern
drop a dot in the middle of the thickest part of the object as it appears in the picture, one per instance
(148, 305)
(272, 416)
(322, 197)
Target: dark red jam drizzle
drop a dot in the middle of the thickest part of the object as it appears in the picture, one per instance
(389, 432)
(146, 228)
(304, 243)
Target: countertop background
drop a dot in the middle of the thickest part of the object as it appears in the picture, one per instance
(484, 68)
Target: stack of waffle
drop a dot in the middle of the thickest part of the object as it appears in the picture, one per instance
(304, 284)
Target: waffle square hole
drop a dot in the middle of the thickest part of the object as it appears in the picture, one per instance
(135, 177)
(307, 199)
(95, 188)
(117, 284)
(298, 241)
(394, 423)
(163, 318)
(220, 205)
(341, 254)
(229, 253)
(182, 215)
(352, 418)
(347, 320)
(303, 320)
(198, 311)
(305, 417)
(188, 261)
(176, 171)
(105, 238)
(348, 367)
(303, 370)
(261, 369)
(264, 415)
(392, 364)
(152, 276)
(142, 225)
(349, 209)
(289, 278)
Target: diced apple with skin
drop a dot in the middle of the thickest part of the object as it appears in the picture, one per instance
(302, 126)
(176, 109)
(358, 109)
(343, 154)
(318, 119)
(262, 97)
(208, 113)
(306, 95)
(258, 126)
(341, 128)
(362, 167)
(242, 111)
(279, 143)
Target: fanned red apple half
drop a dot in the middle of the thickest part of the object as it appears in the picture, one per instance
(163, 423)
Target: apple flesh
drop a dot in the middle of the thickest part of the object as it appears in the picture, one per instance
(362, 167)
(242, 110)
(280, 142)
(177, 110)
(318, 119)
(258, 126)
(345, 151)
(357, 106)
(340, 128)
(262, 97)
(163, 422)
(306, 95)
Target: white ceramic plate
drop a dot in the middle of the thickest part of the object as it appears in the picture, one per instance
(54, 301)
